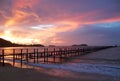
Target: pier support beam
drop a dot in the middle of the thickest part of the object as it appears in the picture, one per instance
(3, 64)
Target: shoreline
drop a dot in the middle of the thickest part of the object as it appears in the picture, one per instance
(9, 73)
(42, 73)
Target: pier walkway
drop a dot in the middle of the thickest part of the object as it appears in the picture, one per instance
(46, 55)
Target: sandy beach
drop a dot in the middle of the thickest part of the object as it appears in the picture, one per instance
(9, 73)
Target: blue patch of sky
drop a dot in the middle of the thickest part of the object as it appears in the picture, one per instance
(108, 25)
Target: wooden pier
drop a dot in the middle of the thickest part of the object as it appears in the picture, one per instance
(46, 55)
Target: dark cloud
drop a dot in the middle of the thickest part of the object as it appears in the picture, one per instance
(50, 10)
(6, 6)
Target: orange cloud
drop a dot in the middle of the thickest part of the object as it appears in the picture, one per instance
(20, 12)
(57, 41)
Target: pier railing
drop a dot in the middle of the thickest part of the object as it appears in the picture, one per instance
(46, 55)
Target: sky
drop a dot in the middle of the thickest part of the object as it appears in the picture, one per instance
(60, 22)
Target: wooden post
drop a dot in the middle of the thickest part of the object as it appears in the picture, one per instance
(83, 51)
(37, 55)
(13, 57)
(54, 56)
(3, 64)
(27, 55)
(21, 58)
(44, 55)
(68, 52)
(74, 52)
(78, 51)
(0, 57)
(65, 54)
(47, 55)
(60, 55)
(41, 54)
(34, 56)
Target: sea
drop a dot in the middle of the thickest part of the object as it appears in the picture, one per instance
(76, 64)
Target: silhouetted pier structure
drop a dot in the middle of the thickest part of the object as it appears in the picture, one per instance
(46, 55)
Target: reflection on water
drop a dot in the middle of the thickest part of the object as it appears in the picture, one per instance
(52, 72)
(49, 71)
(10, 51)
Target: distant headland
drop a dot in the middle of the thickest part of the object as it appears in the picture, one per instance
(6, 43)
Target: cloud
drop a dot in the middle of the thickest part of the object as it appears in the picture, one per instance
(19, 17)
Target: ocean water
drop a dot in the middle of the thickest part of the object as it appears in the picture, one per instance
(75, 65)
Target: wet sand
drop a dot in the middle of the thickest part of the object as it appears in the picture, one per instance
(9, 73)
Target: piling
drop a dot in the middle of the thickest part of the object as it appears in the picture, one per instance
(14, 56)
(37, 56)
(27, 55)
(34, 56)
(21, 57)
(3, 64)
(54, 55)
(44, 55)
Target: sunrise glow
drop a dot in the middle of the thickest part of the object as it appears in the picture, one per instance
(63, 22)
